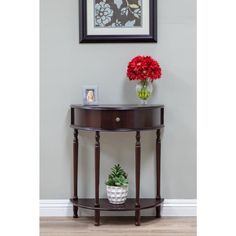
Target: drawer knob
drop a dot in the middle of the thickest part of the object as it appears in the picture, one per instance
(117, 119)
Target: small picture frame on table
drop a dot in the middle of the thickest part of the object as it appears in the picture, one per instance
(90, 95)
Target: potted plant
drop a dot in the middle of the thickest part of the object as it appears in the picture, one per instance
(117, 185)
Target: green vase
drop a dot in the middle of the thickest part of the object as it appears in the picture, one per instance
(144, 90)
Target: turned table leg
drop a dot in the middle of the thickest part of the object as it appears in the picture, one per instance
(158, 171)
(75, 170)
(137, 178)
(97, 170)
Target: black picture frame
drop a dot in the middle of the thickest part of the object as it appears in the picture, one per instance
(85, 38)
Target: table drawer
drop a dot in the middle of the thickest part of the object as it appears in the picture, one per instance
(123, 120)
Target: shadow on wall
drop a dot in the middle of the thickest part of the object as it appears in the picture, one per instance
(128, 92)
(69, 144)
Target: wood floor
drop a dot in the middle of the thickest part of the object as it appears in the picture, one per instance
(113, 226)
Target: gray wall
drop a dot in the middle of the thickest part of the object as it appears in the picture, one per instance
(67, 65)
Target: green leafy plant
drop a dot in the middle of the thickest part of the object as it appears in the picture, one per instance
(118, 177)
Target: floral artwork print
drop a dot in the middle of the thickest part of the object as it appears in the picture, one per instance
(118, 13)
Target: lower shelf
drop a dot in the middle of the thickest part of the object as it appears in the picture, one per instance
(129, 205)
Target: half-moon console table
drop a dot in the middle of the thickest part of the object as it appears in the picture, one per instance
(117, 118)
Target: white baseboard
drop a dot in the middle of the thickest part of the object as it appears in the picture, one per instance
(171, 207)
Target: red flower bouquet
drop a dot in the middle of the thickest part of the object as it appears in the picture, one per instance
(143, 68)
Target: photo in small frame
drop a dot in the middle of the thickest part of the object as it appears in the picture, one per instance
(90, 95)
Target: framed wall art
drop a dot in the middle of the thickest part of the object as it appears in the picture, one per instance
(117, 21)
(90, 95)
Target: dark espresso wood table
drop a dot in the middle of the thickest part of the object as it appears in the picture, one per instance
(117, 118)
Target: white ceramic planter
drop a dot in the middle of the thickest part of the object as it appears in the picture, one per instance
(117, 195)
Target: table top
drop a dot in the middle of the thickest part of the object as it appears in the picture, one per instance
(117, 106)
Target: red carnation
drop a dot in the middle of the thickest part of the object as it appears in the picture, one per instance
(143, 68)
